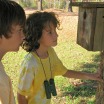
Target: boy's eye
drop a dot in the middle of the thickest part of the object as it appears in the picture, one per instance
(20, 30)
(50, 32)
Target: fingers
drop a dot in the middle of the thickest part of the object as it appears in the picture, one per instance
(100, 71)
(100, 80)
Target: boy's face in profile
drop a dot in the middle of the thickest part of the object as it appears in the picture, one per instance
(14, 41)
(49, 36)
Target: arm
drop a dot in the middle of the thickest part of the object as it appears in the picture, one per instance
(83, 75)
(21, 99)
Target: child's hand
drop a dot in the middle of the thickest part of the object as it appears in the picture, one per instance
(98, 75)
(100, 72)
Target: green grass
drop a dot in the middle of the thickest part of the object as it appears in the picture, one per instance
(73, 57)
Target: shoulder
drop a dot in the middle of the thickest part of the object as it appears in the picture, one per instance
(29, 60)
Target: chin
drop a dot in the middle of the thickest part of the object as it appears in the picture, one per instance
(16, 50)
(54, 45)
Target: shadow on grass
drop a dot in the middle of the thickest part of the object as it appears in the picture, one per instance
(93, 66)
(85, 90)
(88, 87)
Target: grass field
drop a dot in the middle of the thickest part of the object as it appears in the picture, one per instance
(70, 91)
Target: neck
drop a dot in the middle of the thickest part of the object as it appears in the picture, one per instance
(42, 53)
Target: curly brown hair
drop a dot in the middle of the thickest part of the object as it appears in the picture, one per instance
(35, 24)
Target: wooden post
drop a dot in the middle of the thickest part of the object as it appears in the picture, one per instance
(100, 89)
(91, 25)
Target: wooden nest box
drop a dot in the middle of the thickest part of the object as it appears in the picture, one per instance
(90, 32)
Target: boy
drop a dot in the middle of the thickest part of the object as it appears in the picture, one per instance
(12, 21)
(41, 64)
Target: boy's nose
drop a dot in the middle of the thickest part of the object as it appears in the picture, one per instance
(56, 35)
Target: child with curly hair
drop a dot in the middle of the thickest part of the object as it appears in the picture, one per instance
(36, 82)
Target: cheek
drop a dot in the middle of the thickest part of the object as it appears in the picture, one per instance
(19, 38)
(49, 42)
(46, 39)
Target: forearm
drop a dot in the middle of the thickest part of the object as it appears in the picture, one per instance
(78, 75)
(21, 99)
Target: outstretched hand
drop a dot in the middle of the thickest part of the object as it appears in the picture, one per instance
(99, 76)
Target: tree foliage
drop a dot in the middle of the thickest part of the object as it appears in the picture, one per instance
(56, 4)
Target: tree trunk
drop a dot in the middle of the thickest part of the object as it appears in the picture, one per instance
(54, 4)
(70, 6)
(59, 4)
(100, 89)
(49, 3)
(85, 0)
(40, 5)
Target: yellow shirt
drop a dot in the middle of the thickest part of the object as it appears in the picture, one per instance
(32, 76)
(6, 92)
